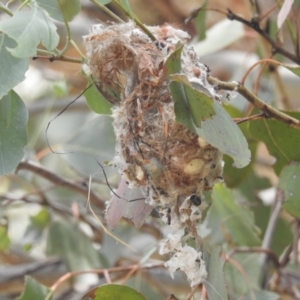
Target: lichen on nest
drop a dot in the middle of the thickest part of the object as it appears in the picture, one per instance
(167, 160)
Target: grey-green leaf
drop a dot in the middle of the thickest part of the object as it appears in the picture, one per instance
(13, 135)
(181, 109)
(215, 283)
(96, 101)
(200, 104)
(221, 132)
(289, 184)
(226, 217)
(117, 291)
(61, 9)
(12, 69)
(28, 29)
(33, 290)
(68, 241)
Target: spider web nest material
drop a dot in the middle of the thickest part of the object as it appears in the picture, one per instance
(167, 160)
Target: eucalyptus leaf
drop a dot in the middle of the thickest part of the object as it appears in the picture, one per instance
(12, 69)
(215, 283)
(28, 29)
(103, 2)
(125, 5)
(61, 10)
(13, 135)
(33, 290)
(258, 294)
(199, 103)
(4, 239)
(221, 132)
(282, 141)
(244, 283)
(220, 36)
(96, 101)
(233, 177)
(283, 235)
(200, 21)
(68, 241)
(181, 108)
(116, 291)
(226, 217)
(289, 184)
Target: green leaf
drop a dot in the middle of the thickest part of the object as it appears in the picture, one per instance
(67, 240)
(217, 37)
(103, 2)
(4, 239)
(200, 105)
(295, 70)
(125, 5)
(200, 21)
(28, 29)
(222, 133)
(281, 140)
(96, 101)
(12, 69)
(115, 291)
(35, 229)
(217, 127)
(13, 136)
(244, 282)
(33, 290)
(231, 219)
(181, 109)
(233, 177)
(215, 284)
(95, 140)
(282, 237)
(261, 295)
(289, 184)
(60, 9)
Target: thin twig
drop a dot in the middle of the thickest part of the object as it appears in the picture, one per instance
(270, 253)
(59, 58)
(109, 12)
(98, 271)
(59, 208)
(64, 182)
(269, 234)
(269, 111)
(254, 24)
(251, 118)
(296, 241)
(136, 20)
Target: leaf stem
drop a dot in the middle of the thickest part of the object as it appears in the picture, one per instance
(136, 20)
(69, 38)
(77, 49)
(6, 9)
(108, 11)
(268, 110)
(24, 4)
(100, 271)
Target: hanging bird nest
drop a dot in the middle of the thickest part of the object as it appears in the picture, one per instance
(167, 160)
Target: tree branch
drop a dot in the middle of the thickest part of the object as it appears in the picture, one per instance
(67, 183)
(254, 24)
(268, 110)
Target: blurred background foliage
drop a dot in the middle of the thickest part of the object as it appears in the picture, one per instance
(46, 228)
